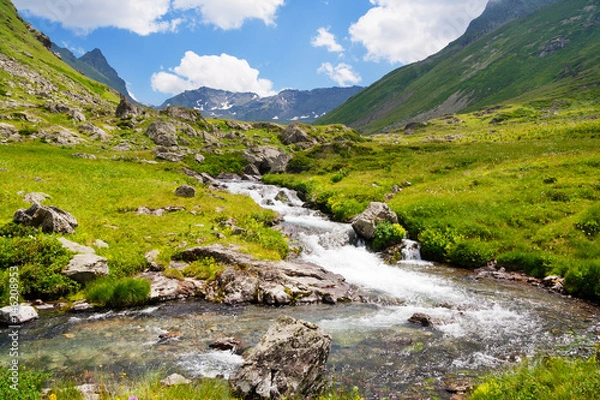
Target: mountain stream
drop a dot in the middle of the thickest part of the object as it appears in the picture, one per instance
(480, 324)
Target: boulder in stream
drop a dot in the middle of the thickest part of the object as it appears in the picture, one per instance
(288, 361)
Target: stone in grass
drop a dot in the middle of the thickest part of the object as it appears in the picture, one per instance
(84, 268)
(50, 219)
(185, 191)
(175, 379)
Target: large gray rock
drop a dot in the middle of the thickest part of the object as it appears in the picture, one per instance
(7, 130)
(84, 268)
(295, 134)
(17, 315)
(288, 361)
(246, 280)
(162, 133)
(164, 153)
(165, 289)
(268, 159)
(50, 219)
(365, 223)
(127, 109)
(94, 132)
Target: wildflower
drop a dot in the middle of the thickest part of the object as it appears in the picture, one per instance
(132, 398)
(52, 396)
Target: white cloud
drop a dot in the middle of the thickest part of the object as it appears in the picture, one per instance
(342, 74)
(405, 31)
(218, 72)
(140, 16)
(326, 39)
(231, 14)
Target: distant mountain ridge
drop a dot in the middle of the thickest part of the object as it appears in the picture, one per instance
(288, 105)
(515, 49)
(94, 65)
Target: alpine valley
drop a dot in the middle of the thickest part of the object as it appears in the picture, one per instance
(434, 235)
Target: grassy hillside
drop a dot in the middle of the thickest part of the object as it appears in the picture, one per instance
(554, 48)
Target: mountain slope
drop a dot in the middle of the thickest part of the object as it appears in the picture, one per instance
(94, 65)
(556, 45)
(287, 105)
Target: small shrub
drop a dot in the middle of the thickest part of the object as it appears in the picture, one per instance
(299, 163)
(341, 174)
(173, 273)
(206, 269)
(118, 293)
(532, 263)
(437, 242)
(583, 280)
(387, 234)
(470, 253)
(29, 386)
(589, 223)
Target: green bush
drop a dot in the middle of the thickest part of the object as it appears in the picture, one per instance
(40, 259)
(589, 222)
(29, 385)
(470, 253)
(437, 242)
(299, 163)
(583, 280)
(205, 269)
(118, 293)
(533, 263)
(173, 273)
(387, 234)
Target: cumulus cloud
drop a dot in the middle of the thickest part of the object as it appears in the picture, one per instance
(404, 31)
(231, 14)
(223, 72)
(140, 16)
(326, 39)
(342, 74)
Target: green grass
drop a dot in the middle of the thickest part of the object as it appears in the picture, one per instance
(118, 293)
(104, 195)
(548, 379)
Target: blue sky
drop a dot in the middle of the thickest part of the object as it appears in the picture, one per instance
(163, 47)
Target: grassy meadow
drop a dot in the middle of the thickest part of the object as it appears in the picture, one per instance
(516, 184)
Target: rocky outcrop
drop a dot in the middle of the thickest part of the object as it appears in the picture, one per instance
(183, 113)
(287, 362)
(7, 130)
(86, 267)
(18, 315)
(295, 134)
(127, 109)
(175, 379)
(248, 281)
(162, 133)
(365, 223)
(35, 197)
(164, 153)
(268, 159)
(94, 132)
(49, 219)
(165, 289)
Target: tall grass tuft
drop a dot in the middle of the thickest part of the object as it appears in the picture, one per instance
(118, 293)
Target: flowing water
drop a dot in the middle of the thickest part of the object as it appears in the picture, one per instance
(479, 324)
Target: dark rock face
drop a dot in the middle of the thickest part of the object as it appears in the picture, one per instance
(365, 223)
(185, 191)
(288, 361)
(50, 219)
(127, 109)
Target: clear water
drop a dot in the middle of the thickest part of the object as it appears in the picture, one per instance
(479, 324)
